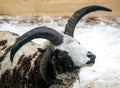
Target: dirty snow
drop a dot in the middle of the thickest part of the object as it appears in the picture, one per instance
(99, 35)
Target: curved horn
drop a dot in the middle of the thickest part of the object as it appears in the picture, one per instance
(40, 32)
(70, 26)
(44, 65)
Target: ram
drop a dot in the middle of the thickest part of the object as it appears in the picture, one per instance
(63, 55)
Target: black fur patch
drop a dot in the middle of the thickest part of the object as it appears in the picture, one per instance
(63, 62)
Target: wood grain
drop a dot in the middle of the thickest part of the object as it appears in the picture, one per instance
(55, 8)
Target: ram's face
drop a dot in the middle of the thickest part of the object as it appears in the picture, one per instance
(70, 55)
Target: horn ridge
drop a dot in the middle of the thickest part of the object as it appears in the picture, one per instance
(39, 32)
(70, 26)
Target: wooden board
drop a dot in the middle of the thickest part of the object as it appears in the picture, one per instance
(55, 8)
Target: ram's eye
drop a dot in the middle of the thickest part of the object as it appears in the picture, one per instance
(60, 54)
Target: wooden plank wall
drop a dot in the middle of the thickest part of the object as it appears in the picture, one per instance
(55, 8)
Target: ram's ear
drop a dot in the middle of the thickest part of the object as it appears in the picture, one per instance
(47, 69)
(41, 50)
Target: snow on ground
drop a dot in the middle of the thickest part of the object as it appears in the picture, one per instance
(99, 35)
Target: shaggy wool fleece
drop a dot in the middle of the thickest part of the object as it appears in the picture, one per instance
(24, 72)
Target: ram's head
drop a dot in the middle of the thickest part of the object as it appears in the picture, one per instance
(66, 52)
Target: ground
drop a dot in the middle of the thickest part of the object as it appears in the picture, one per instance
(99, 35)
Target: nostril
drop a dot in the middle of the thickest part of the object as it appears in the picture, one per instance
(91, 56)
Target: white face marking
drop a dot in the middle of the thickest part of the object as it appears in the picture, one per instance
(77, 53)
